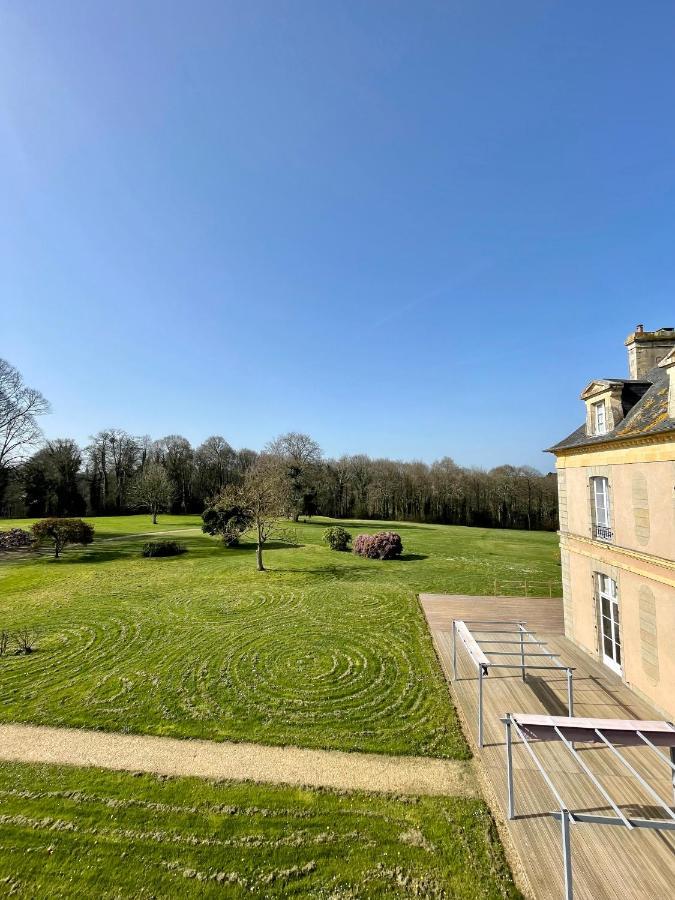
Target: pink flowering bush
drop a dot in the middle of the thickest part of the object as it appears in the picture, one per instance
(15, 539)
(383, 545)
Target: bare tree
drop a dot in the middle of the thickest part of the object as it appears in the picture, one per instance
(302, 457)
(20, 406)
(263, 495)
(215, 462)
(151, 489)
(177, 457)
(125, 455)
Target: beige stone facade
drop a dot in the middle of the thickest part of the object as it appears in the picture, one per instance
(617, 535)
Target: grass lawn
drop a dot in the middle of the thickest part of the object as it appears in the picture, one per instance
(87, 833)
(323, 650)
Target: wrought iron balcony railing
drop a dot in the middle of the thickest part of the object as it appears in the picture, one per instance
(603, 533)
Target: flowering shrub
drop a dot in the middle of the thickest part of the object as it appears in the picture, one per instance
(362, 545)
(61, 532)
(15, 539)
(337, 537)
(383, 545)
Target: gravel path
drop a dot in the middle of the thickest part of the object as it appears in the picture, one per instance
(237, 762)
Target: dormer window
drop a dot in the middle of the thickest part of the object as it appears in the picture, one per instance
(599, 418)
(608, 402)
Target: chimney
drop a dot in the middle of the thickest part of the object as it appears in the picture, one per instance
(646, 349)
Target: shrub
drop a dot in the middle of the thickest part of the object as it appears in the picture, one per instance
(163, 548)
(61, 532)
(383, 545)
(15, 539)
(337, 537)
(362, 545)
(25, 640)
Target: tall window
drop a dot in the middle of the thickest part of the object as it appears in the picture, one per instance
(602, 524)
(600, 417)
(610, 639)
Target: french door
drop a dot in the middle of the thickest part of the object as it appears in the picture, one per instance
(610, 639)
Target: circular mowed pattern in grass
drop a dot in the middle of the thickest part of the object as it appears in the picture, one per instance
(343, 669)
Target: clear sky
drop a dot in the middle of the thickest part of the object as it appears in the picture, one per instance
(410, 229)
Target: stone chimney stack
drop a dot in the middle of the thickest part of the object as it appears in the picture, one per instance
(646, 349)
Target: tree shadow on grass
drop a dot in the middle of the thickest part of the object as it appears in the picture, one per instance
(411, 557)
(92, 556)
(364, 523)
(270, 545)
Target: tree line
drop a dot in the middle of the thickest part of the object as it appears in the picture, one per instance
(118, 473)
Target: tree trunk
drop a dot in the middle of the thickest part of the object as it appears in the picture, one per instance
(258, 553)
(154, 517)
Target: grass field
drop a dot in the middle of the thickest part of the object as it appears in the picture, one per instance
(323, 650)
(87, 833)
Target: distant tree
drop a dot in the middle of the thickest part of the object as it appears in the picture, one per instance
(151, 489)
(61, 532)
(113, 457)
(225, 516)
(301, 456)
(97, 471)
(66, 459)
(177, 456)
(39, 484)
(51, 480)
(216, 465)
(263, 496)
(245, 459)
(124, 456)
(20, 407)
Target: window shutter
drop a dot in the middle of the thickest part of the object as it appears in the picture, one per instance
(596, 611)
(591, 507)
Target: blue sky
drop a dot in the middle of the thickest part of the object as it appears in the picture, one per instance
(409, 229)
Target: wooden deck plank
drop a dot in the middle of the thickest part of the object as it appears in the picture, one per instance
(608, 862)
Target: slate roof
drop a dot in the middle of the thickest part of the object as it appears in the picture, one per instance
(648, 413)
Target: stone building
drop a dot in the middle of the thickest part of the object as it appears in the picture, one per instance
(616, 482)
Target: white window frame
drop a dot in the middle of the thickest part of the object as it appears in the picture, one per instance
(609, 622)
(602, 518)
(600, 417)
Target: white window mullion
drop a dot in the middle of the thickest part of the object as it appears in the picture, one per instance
(600, 416)
(603, 523)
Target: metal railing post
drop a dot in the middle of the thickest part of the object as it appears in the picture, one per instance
(570, 694)
(672, 762)
(454, 650)
(480, 705)
(567, 852)
(509, 767)
(522, 652)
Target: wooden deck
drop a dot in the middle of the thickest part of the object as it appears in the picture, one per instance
(608, 862)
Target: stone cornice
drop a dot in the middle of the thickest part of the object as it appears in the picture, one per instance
(661, 437)
(567, 537)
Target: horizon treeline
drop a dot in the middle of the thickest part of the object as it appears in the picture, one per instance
(64, 479)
